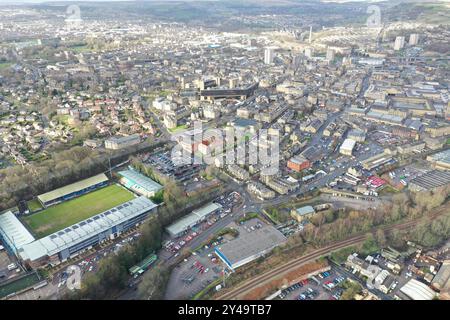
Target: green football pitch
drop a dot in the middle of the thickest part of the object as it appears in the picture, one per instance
(70, 212)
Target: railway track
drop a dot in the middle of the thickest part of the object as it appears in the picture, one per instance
(252, 283)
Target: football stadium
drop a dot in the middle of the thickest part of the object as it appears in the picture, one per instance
(74, 219)
(67, 213)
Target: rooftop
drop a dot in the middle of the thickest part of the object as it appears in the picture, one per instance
(250, 244)
(13, 231)
(192, 218)
(71, 188)
(77, 233)
(139, 179)
(432, 179)
(417, 290)
(304, 210)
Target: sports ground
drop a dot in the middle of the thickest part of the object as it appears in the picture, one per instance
(70, 212)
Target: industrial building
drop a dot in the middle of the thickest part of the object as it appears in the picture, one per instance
(302, 213)
(73, 190)
(139, 183)
(239, 93)
(347, 147)
(440, 160)
(182, 225)
(249, 246)
(416, 290)
(59, 246)
(430, 181)
(116, 143)
(441, 280)
(298, 163)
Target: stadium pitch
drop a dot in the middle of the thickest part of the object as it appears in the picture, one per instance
(72, 211)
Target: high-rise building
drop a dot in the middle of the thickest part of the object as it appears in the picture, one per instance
(269, 54)
(413, 39)
(399, 43)
(330, 55)
(309, 52)
(233, 82)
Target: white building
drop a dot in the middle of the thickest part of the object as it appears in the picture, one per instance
(399, 43)
(269, 54)
(413, 39)
(347, 147)
(116, 143)
(330, 55)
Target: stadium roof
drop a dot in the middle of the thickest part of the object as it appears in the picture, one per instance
(193, 218)
(140, 180)
(417, 290)
(71, 188)
(249, 246)
(13, 231)
(77, 233)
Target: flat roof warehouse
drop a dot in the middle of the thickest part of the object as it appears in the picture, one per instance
(192, 219)
(249, 246)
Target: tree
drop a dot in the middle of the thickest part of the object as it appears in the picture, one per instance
(380, 238)
(153, 284)
(351, 289)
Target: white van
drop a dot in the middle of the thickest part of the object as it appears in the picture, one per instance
(12, 266)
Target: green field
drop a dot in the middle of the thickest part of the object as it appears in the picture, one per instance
(176, 129)
(4, 65)
(70, 212)
(18, 285)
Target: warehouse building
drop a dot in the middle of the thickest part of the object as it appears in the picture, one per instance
(440, 160)
(249, 246)
(347, 147)
(59, 246)
(430, 181)
(441, 281)
(13, 234)
(302, 213)
(73, 190)
(117, 143)
(298, 163)
(416, 290)
(139, 183)
(181, 226)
